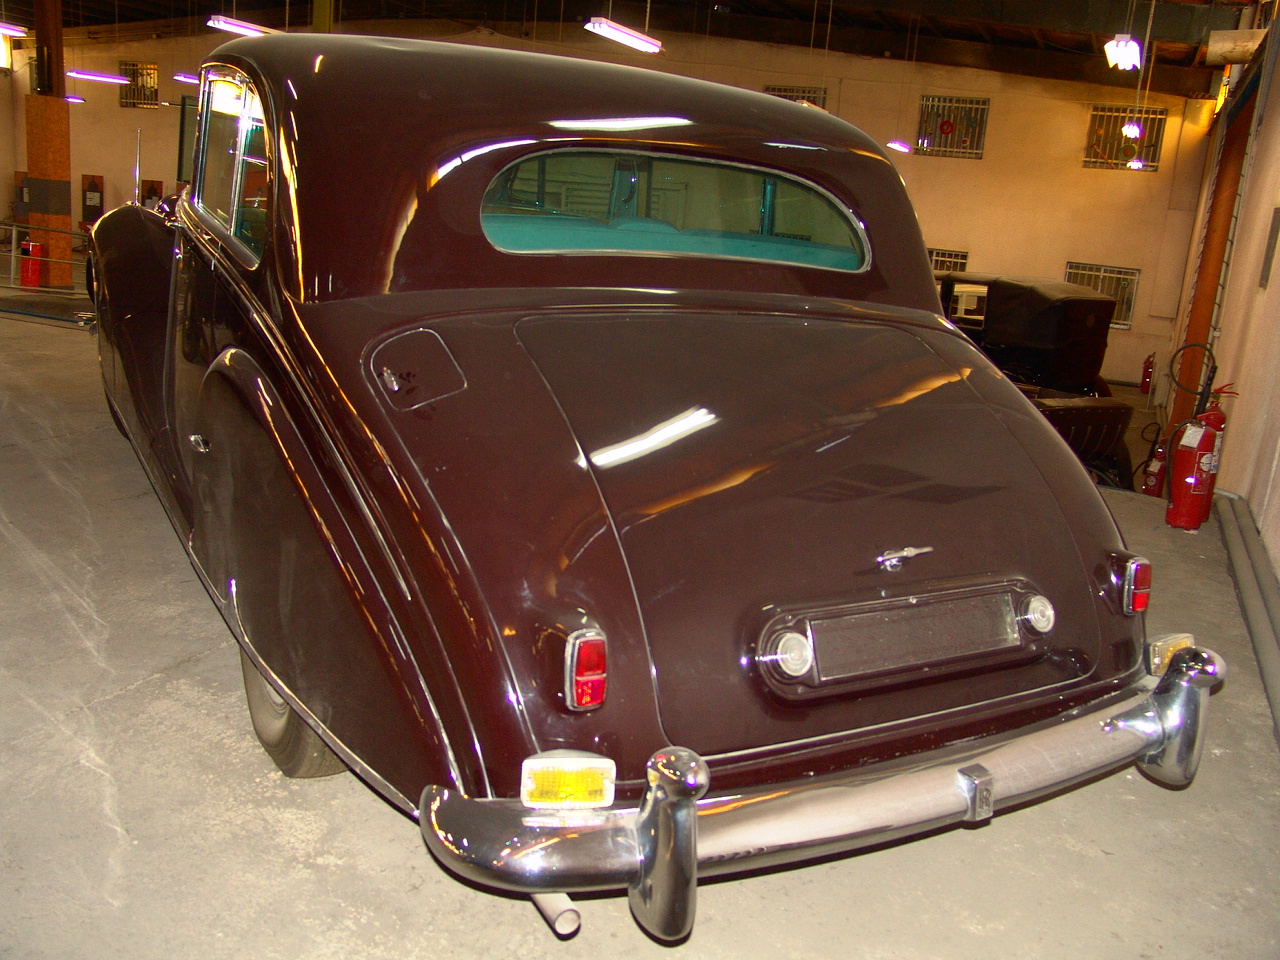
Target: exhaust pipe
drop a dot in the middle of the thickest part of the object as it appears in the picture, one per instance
(559, 912)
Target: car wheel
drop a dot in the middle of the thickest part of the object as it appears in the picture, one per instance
(296, 749)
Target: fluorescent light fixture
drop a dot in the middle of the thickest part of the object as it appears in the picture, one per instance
(1123, 52)
(1131, 130)
(12, 30)
(624, 35)
(99, 77)
(242, 27)
(72, 98)
(186, 78)
(663, 435)
(899, 145)
(618, 124)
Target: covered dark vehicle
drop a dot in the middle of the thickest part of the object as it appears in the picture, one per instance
(588, 468)
(1050, 338)
(1041, 332)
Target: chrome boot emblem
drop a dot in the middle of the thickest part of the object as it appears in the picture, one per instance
(892, 560)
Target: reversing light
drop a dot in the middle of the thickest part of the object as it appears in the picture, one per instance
(1038, 613)
(793, 654)
(567, 780)
(586, 670)
(1135, 589)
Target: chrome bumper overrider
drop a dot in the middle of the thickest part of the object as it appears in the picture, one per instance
(659, 850)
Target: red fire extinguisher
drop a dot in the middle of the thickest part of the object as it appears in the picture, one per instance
(1195, 466)
(1148, 368)
(1153, 476)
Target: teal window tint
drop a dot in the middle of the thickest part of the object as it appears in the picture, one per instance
(624, 202)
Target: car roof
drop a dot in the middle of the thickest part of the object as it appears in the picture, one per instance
(368, 128)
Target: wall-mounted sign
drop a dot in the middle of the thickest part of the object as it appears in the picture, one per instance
(152, 192)
(90, 198)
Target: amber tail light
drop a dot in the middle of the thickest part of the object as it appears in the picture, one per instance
(567, 779)
(586, 670)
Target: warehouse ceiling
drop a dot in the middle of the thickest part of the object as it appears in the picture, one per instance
(1058, 39)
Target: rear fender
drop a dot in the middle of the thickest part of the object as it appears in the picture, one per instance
(300, 588)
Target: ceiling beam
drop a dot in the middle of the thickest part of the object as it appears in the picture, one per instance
(1174, 22)
(1186, 81)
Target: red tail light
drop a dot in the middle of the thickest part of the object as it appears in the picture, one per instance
(1135, 590)
(586, 670)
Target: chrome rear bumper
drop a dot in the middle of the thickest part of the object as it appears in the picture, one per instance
(659, 850)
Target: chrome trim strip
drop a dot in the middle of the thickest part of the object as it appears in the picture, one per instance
(501, 843)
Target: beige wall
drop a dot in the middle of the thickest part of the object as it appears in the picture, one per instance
(1027, 207)
(104, 135)
(1248, 349)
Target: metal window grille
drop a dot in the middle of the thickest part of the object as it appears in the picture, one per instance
(1109, 146)
(815, 95)
(143, 89)
(948, 259)
(1118, 282)
(952, 126)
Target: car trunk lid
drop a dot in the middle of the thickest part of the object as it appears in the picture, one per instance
(762, 472)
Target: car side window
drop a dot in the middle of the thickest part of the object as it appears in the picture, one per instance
(231, 181)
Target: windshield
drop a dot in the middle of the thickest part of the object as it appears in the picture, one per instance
(596, 201)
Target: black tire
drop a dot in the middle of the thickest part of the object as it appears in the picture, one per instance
(296, 749)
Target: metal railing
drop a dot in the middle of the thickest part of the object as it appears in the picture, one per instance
(23, 271)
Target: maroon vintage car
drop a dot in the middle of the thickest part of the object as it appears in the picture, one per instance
(577, 454)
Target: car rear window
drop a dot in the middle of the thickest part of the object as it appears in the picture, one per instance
(600, 201)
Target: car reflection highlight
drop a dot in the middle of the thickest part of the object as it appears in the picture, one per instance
(663, 435)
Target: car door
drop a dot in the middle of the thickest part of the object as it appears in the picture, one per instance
(219, 249)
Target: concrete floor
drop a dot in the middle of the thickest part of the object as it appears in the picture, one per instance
(140, 819)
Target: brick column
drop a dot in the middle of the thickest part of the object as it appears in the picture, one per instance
(49, 148)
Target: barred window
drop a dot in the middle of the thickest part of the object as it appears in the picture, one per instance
(815, 95)
(143, 89)
(948, 259)
(1118, 282)
(952, 126)
(1125, 138)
